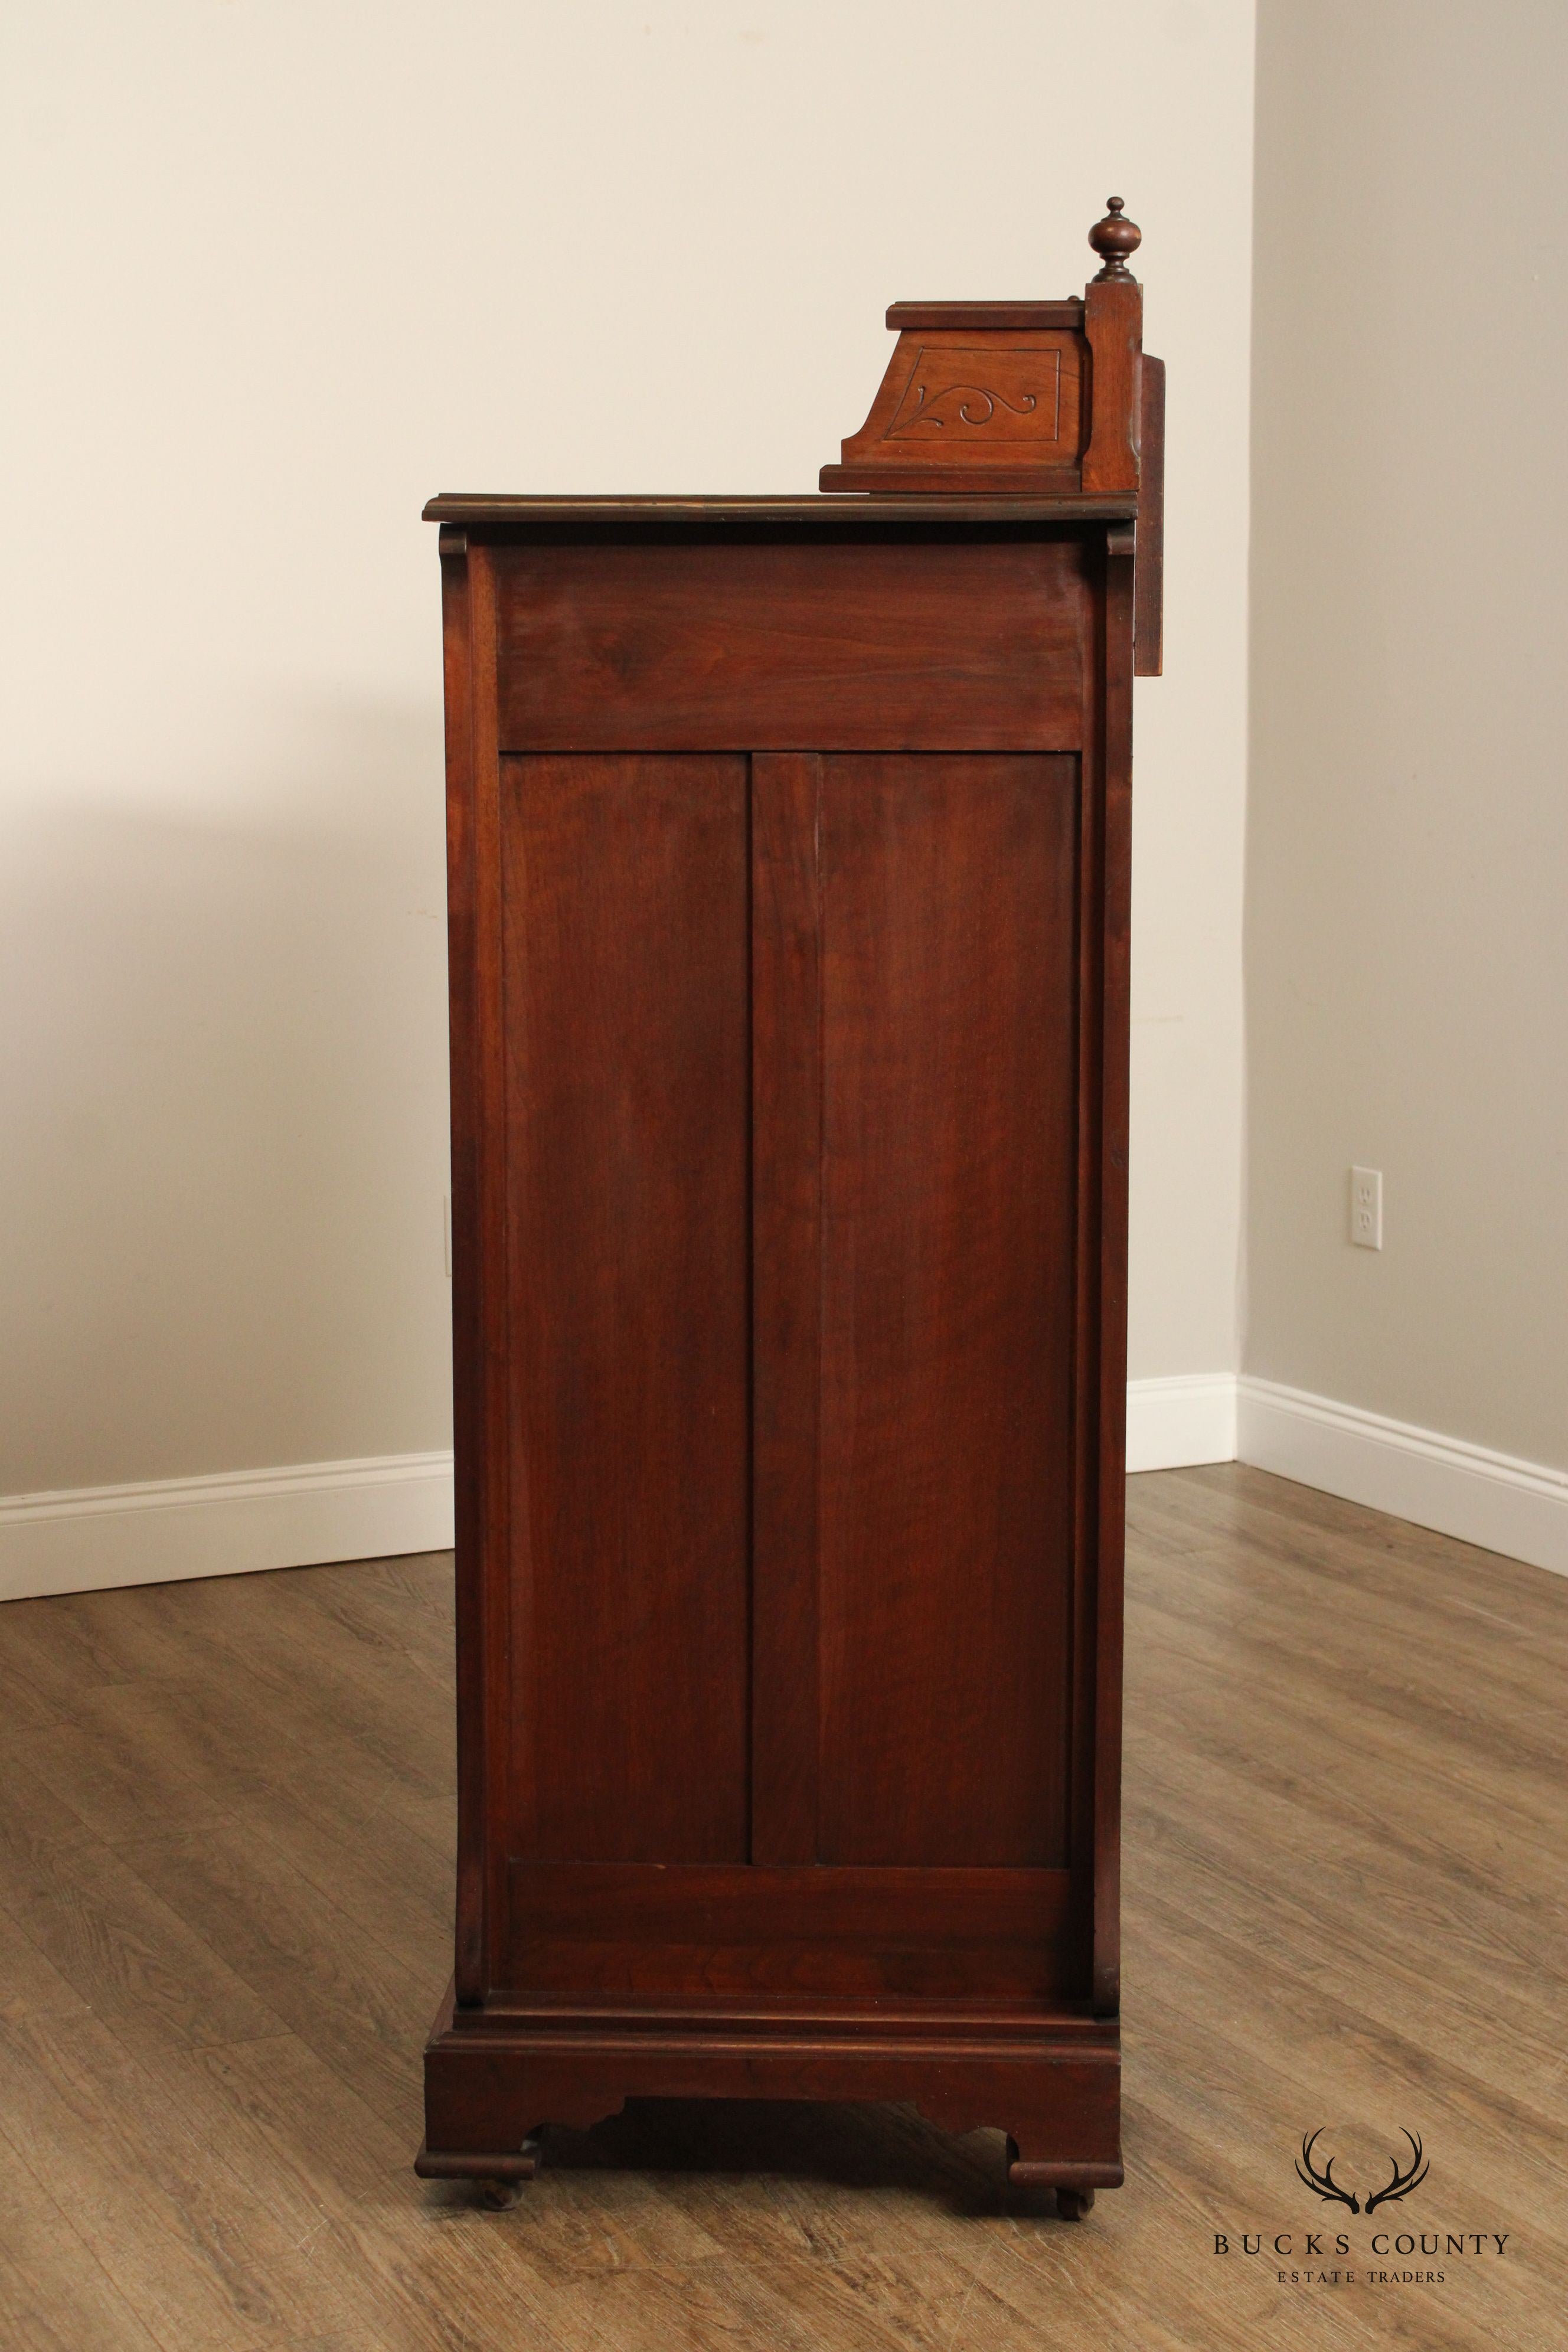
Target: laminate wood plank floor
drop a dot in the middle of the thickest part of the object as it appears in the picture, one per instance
(226, 1816)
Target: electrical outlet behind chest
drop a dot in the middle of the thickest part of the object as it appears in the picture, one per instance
(1366, 1207)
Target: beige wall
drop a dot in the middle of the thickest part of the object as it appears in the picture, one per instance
(1407, 908)
(278, 271)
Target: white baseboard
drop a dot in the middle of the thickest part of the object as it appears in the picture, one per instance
(1483, 1498)
(95, 1537)
(83, 1540)
(1176, 1423)
(90, 1538)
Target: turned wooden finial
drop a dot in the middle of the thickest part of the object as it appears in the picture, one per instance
(1114, 238)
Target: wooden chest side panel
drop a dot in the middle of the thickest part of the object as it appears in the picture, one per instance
(791, 645)
(948, 983)
(625, 883)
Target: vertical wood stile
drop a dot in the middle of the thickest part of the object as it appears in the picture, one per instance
(786, 1214)
(466, 1401)
(504, 1527)
(478, 1236)
(1117, 834)
(1148, 573)
(1113, 324)
(1086, 1252)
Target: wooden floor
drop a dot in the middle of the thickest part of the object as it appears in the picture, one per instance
(225, 1864)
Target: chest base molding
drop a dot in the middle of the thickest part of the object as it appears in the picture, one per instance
(494, 2077)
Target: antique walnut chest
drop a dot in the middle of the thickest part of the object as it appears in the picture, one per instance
(788, 929)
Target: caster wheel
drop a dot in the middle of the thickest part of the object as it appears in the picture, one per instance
(1072, 2204)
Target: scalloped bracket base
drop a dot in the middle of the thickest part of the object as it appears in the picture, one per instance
(495, 2075)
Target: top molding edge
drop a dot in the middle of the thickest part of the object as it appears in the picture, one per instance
(985, 318)
(475, 508)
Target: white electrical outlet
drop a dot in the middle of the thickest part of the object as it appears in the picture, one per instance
(1366, 1207)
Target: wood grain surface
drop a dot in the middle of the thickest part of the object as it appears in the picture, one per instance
(768, 644)
(684, 1930)
(913, 937)
(949, 954)
(786, 1287)
(225, 1867)
(625, 886)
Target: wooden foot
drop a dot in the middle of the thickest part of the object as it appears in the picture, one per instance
(1074, 2178)
(498, 2178)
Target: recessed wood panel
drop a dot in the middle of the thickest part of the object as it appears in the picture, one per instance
(945, 1483)
(627, 1078)
(782, 643)
(644, 1930)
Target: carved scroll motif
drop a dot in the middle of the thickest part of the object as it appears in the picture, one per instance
(975, 406)
(1018, 399)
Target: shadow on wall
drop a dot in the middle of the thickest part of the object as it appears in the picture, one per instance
(225, 1116)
